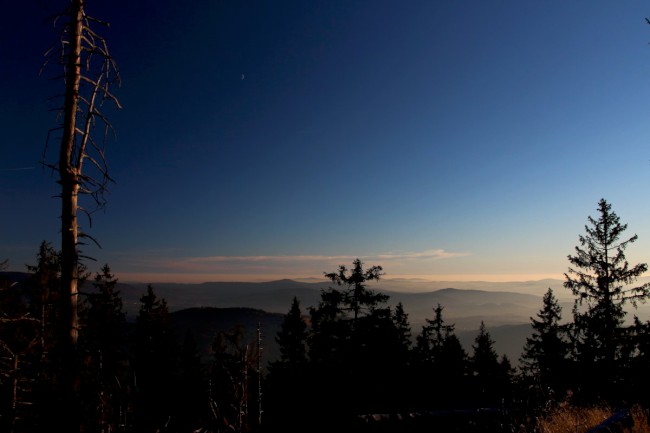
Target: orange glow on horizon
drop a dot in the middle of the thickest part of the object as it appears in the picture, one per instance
(256, 278)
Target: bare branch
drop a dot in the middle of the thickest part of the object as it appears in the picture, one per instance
(103, 88)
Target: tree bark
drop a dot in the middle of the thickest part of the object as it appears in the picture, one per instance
(70, 183)
(70, 178)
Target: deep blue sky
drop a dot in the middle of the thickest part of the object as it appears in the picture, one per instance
(263, 139)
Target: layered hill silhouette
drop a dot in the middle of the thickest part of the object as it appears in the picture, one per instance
(206, 322)
(505, 313)
(464, 305)
(207, 308)
(505, 308)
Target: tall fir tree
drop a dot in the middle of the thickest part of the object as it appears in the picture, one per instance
(351, 340)
(340, 320)
(43, 362)
(104, 319)
(505, 381)
(486, 369)
(403, 338)
(28, 344)
(357, 298)
(440, 363)
(602, 281)
(103, 344)
(394, 361)
(287, 405)
(452, 363)
(431, 339)
(155, 364)
(30, 335)
(545, 358)
(292, 339)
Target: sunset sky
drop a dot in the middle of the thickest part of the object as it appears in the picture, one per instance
(445, 140)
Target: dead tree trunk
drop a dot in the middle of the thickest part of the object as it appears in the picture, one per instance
(69, 179)
(88, 72)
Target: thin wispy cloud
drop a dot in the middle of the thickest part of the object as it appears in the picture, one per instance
(437, 254)
(254, 259)
(286, 264)
(427, 265)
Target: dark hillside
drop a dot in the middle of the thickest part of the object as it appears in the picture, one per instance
(508, 339)
(272, 296)
(207, 322)
(15, 277)
(466, 308)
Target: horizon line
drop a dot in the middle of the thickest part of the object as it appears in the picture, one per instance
(181, 278)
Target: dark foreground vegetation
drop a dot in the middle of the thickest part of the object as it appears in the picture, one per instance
(349, 363)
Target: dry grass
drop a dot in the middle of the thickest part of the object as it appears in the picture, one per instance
(568, 419)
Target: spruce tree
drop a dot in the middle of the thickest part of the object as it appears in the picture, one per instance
(352, 336)
(154, 364)
(102, 342)
(441, 363)
(357, 298)
(545, 356)
(28, 365)
(432, 337)
(505, 380)
(403, 329)
(452, 365)
(602, 281)
(394, 360)
(343, 318)
(43, 360)
(485, 368)
(104, 320)
(288, 375)
(28, 334)
(292, 339)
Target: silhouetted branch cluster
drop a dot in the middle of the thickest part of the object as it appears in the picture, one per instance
(98, 74)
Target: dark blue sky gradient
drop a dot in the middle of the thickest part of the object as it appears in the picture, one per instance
(487, 129)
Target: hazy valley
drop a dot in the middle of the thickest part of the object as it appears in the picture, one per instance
(505, 308)
(207, 308)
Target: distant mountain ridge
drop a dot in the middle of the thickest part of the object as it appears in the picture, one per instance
(272, 296)
(461, 305)
(465, 305)
(506, 312)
